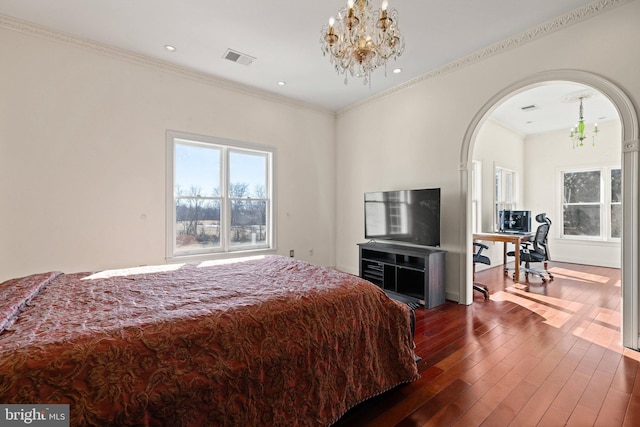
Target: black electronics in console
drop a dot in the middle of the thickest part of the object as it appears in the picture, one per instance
(417, 272)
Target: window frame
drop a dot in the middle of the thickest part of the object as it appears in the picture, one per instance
(499, 201)
(476, 196)
(226, 147)
(604, 204)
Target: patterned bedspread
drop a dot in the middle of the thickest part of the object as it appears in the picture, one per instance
(268, 341)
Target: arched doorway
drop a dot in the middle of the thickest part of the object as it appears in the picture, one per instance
(630, 171)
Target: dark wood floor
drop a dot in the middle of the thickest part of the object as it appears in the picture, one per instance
(543, 356)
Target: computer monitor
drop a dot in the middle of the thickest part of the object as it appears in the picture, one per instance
(514, 221)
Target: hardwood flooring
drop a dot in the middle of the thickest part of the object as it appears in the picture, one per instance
(543, 356)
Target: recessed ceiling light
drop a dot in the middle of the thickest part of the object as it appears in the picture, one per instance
(169, 48)
(397, 70)
(281, 83)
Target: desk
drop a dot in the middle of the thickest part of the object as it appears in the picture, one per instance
(516, 239)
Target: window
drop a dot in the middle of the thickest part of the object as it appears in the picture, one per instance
(592, 203)
(476, 197)
(220, 196)
(616, 204)
(506, 193)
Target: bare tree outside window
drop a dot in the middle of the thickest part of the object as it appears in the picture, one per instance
(581, 203)
(248, 196)
(208, 217)
(197, 219)
(592, 203)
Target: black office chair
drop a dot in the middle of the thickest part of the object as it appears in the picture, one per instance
(482, 259)
(536, 250)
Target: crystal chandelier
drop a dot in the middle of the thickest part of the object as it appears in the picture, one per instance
(360, 40)
(577, 134)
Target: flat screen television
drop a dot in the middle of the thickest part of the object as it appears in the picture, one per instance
(411, 216)
(511, 221)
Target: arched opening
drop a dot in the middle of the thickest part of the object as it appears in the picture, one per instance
(630, 196)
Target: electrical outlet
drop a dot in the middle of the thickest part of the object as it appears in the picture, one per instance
(291, 253)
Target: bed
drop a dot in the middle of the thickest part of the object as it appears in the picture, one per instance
(261, 341)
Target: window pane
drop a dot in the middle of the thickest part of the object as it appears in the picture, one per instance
(616, 185)
(508, 187)
(247, 175)
(582, 187)
(583, 220)
(220, 195)
(248, 223)
(197, 171)
(616, 221)
(197, 224)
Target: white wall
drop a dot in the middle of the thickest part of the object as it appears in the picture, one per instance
(82, 156)
(546, 155)
(413, 136)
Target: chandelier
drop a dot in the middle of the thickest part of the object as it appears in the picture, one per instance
(360, 40)
(577, 134)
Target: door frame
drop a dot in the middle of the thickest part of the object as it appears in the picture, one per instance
(630, 183)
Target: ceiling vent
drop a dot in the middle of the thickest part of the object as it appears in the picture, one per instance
(240, 58)
(529, 108)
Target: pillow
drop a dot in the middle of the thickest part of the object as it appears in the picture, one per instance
(15, 294)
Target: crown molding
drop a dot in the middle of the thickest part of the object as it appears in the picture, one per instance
(576, 16)
(14, 24)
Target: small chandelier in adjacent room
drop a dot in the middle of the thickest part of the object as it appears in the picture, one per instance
(578, 134)
(360, 40)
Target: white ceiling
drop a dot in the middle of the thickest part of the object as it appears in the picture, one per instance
(284, 37)
(556, 106)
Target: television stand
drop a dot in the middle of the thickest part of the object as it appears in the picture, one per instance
(416, 273)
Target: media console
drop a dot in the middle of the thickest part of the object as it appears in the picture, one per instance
(417, 272)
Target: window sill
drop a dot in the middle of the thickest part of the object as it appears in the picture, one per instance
(586, 242)
(219, 255)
